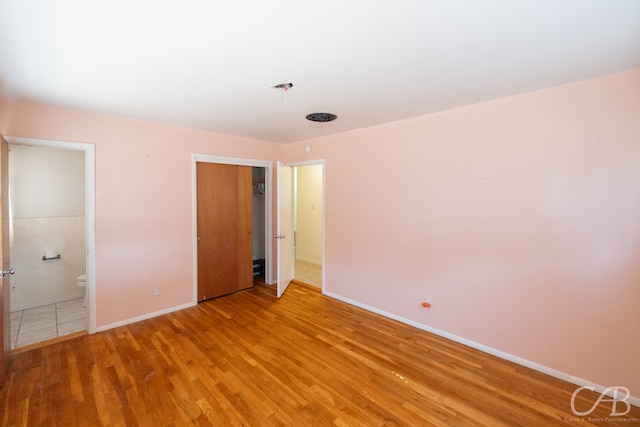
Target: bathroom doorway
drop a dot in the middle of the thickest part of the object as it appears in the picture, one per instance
(49, 240)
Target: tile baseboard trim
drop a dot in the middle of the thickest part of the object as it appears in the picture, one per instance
(634, 400)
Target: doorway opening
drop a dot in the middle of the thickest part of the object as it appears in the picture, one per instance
(52, 239)
(300, 214)
(308, 211)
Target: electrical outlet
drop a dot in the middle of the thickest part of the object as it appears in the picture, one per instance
(426, 302)
(156, 291)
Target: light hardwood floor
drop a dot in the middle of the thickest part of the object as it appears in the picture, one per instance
(308, 273)
(248, 359)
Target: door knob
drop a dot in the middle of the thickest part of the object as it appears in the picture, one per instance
(199, 239)
(10, 271)
(279, 236)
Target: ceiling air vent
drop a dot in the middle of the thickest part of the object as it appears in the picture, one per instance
(321, 117)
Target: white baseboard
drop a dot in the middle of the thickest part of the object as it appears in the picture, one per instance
(144, 317)
(634, 400)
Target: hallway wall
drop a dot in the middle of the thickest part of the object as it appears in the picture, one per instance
(309, 214)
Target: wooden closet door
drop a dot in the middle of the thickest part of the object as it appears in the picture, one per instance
(244, 212)
(225, 250)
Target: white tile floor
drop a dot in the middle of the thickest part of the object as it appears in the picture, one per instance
(49, 321)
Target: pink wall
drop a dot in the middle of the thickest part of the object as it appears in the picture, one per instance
(519, 218)
(143, 200)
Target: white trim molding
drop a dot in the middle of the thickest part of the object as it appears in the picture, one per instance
(634, 400)
(144, 317)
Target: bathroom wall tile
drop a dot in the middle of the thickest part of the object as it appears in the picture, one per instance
(39, 282)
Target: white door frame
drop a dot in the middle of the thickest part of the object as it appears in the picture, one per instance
(324, 209)
(205, 158)
(90, 211)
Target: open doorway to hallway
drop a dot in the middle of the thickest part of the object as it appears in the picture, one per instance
(308, 223)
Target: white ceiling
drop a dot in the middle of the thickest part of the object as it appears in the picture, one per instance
(210, 64)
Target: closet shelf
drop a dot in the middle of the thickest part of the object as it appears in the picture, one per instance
(258, 188)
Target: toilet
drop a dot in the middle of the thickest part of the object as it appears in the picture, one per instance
(82, 283)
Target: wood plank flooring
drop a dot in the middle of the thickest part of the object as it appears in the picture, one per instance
(248, 359)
